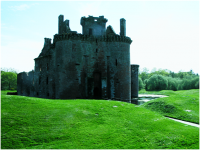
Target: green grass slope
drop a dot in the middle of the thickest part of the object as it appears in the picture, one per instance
(35, 123)
(182, 104)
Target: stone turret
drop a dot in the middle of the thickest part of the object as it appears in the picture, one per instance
(47, 42)
(134, 81)
(95, 26)
(122, 27)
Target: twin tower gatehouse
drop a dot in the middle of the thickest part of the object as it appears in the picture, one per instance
(91, 65)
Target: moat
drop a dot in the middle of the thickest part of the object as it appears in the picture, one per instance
(143, 98)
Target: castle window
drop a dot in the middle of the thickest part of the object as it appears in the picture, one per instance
(96, 50)
(47, 94)
(90, 31)
(47, 80)
(40, 69)
(116, 62)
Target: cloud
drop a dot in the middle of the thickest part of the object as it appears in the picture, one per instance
(22, 7)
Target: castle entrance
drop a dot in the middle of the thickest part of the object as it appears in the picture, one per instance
(97, 85)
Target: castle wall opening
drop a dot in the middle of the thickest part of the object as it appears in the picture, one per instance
(97, 85)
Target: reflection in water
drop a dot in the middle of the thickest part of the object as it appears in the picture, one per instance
(145, 98)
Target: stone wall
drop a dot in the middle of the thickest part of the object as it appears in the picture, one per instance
(25, 83)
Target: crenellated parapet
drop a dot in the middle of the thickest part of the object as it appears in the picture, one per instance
(104, 38)
(91, 20)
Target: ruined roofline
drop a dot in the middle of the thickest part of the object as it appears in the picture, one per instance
(48, 55)
(90, 26)
(104, 38)
(27, 73)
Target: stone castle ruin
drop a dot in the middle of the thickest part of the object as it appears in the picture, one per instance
(91, 65)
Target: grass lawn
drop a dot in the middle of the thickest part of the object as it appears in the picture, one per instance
(183, 104)
(35, 123)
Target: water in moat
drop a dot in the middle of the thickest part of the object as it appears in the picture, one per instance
(143, 98)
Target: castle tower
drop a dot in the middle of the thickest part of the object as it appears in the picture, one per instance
(134, 81)
(95, 26)
(122, 27)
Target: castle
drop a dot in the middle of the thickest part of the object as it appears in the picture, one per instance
(91, 65)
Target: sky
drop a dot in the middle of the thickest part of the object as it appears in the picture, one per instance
(165, 34)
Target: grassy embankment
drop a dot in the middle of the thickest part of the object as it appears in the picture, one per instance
(35, 123)
(183, 105)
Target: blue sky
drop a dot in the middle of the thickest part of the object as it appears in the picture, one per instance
(165, 34)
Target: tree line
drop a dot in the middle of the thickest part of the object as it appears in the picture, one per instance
(164, 79)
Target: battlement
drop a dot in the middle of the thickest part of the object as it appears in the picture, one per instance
(104, 38)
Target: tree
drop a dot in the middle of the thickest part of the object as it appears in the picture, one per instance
(173, 83)
(8, 80)
(141, 85)
(163, 72)
(157, 82)
(9, 70)
(145, 83)
(144, 74)
(190, 82)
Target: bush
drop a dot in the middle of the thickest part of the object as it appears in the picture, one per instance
(157, 82)
(173, 83)
(190, 82)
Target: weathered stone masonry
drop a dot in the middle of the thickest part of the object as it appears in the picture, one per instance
(92, 65)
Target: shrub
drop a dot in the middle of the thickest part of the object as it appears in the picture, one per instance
(190, 82)
(173, 83)
(157, 82)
